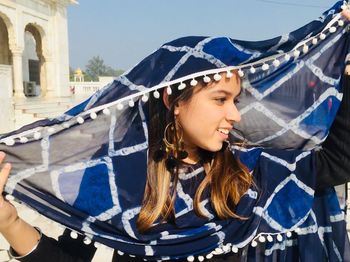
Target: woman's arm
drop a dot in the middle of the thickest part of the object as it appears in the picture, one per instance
(27, 243)
(333, 161)
(21, 236)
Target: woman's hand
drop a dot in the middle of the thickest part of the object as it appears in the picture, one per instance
(346, 14)
(8, 213)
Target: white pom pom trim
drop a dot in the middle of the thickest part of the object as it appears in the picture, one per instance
(87, 241)
(229, 74)
(181, 86)
(131, 103)
(169, 91)
(333, 29)
(37, 135)
(265, 67)
(93, 115)
(80, 120)
(74, 235)
(217, 77)
(106, 111)
(193, 82)
(240, 73)
(206, 79)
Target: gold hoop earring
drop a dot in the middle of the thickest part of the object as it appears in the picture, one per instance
(172, 146)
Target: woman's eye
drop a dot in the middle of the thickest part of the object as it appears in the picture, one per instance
(220, 100)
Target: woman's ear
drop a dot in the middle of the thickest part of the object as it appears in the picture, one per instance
(166, 99)
(167, 103)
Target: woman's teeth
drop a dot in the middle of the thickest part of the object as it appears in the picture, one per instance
(224, 131)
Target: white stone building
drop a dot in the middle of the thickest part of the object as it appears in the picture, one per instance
(33, 53)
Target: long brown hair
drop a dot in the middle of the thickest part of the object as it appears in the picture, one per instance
(226, 178)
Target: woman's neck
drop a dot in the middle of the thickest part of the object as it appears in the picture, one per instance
(193, 155)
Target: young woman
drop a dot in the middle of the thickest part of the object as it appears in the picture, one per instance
(196, 186)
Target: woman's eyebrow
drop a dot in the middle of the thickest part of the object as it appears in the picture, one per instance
(226, 92)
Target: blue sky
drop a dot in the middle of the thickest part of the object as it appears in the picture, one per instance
(124, 32)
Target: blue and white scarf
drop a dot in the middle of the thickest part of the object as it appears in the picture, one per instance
(87, 168)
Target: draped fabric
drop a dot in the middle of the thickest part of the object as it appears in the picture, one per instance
(87, 168)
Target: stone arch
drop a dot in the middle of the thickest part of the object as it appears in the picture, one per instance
(34, 60)
(6, 39)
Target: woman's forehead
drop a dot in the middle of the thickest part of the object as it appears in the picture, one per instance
(227, 86)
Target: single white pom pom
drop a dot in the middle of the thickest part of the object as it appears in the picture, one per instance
(200, 258)
(254, 243)
(314, 41)
(23, 139)
(120, 106)
(80, 120)
(9, 197)
(332, 29)
(106, 111)
(279, 237)
(10, 142)
(156, 94)
(226, 248)
(51, 130)
(229, 74)
(66, 125)
(240, 73)
(144, 98)
(265, 67)
(87, 241)
(131, 103)
(181, 86)
(120, 253)
(289, 234)
(209, 256)
(217, 77)
(297, 230)
(262, 239)
(190, 258)
(193, 82)
(234, 249)
(305, 49)
(37, 135)
(206, 79)
(218, 251)
(93, 115)
(252, 70)
(340, 22)
(169, 91)
(296, 53)
(74, 235)
(269, 238)
(322, 36)
(287, 57)
(276, 63)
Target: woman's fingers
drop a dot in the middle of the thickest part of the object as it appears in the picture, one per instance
(346, 13)
(4, 173)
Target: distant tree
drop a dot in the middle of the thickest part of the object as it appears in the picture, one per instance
(96, 67)
(71, 73)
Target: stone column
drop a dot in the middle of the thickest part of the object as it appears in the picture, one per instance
(17, 72)
(50, 77)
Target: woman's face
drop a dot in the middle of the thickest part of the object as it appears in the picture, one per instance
(209, 115)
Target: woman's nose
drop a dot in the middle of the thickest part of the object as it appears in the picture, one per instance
(233, 115)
